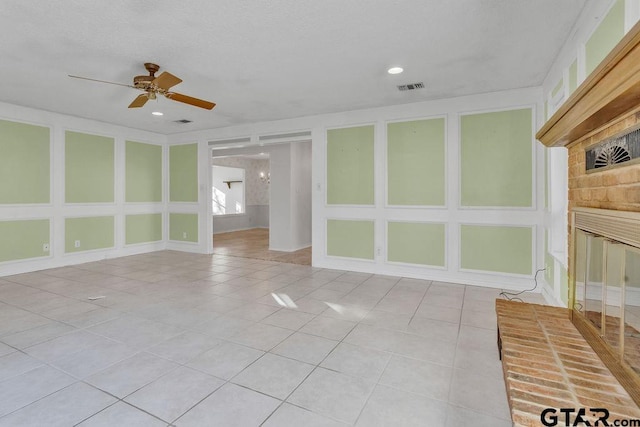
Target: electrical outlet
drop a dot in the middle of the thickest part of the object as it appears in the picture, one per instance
(379, 251)
(184, 234)
(45, 247)
(76, 244)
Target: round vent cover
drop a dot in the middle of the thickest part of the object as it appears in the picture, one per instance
(612, 153)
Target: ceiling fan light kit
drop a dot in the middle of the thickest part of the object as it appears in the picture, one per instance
(152, 86)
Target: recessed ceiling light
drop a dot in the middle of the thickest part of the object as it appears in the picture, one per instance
(395, 70)
(157, 113)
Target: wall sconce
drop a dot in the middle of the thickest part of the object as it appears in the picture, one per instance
(265, 177)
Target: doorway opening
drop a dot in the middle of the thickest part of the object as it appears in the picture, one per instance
(240, 192)
(261, 202)
(254, 244)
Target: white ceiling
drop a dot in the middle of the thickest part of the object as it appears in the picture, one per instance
(266, 60)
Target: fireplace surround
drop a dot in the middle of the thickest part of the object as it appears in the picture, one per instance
(604, 210)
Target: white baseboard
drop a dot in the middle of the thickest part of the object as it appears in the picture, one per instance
(290, 250)
(487, 280)
(29, 265)
(190, 247)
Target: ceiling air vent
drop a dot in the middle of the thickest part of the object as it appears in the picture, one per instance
(183, 121)
(614, 151)
(411, 86)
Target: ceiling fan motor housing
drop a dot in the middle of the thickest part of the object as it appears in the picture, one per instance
(142, 82)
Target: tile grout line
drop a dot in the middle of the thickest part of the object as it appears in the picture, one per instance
(455, 354)
(308, 375)
(247, 301)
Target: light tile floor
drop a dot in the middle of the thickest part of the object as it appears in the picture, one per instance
(180, 339)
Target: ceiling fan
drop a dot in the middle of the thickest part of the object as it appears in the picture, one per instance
(153, 86)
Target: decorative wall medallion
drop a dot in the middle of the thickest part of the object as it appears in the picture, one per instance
(614, 151)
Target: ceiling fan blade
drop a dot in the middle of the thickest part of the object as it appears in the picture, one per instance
(100, 81)
(166, 80)
(190, 100)
(139, 101)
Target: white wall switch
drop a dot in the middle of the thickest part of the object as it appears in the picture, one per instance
(184, 234)
(76, 244)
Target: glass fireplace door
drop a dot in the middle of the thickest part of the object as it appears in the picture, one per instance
(632, 309)
(604, 290)
(607, 293)
(590, 278)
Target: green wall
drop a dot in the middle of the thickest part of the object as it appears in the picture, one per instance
(549, 261)
(546, 179)
(416, 162)
(24, 163)
(143, 169)
(564, 285)
(549, 265)
(183, 173)
(416, 243)
(89, 168)
(558, 88)
(503, 249)
(93, 232)
(350, 166)
(23, 239)
(183, 223)
(350, 238)
(573, 76)
(609, 32)
(143, 228)
(496, 159)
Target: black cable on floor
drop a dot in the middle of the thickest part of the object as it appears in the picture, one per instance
(514, 296)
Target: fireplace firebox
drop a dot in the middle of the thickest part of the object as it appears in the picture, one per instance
(605, 291)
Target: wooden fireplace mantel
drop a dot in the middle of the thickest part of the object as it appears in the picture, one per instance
(611, 90)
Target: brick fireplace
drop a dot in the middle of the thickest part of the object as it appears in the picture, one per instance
(604, 113)
(617, 188)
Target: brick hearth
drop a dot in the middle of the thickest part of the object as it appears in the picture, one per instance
(548, 364)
